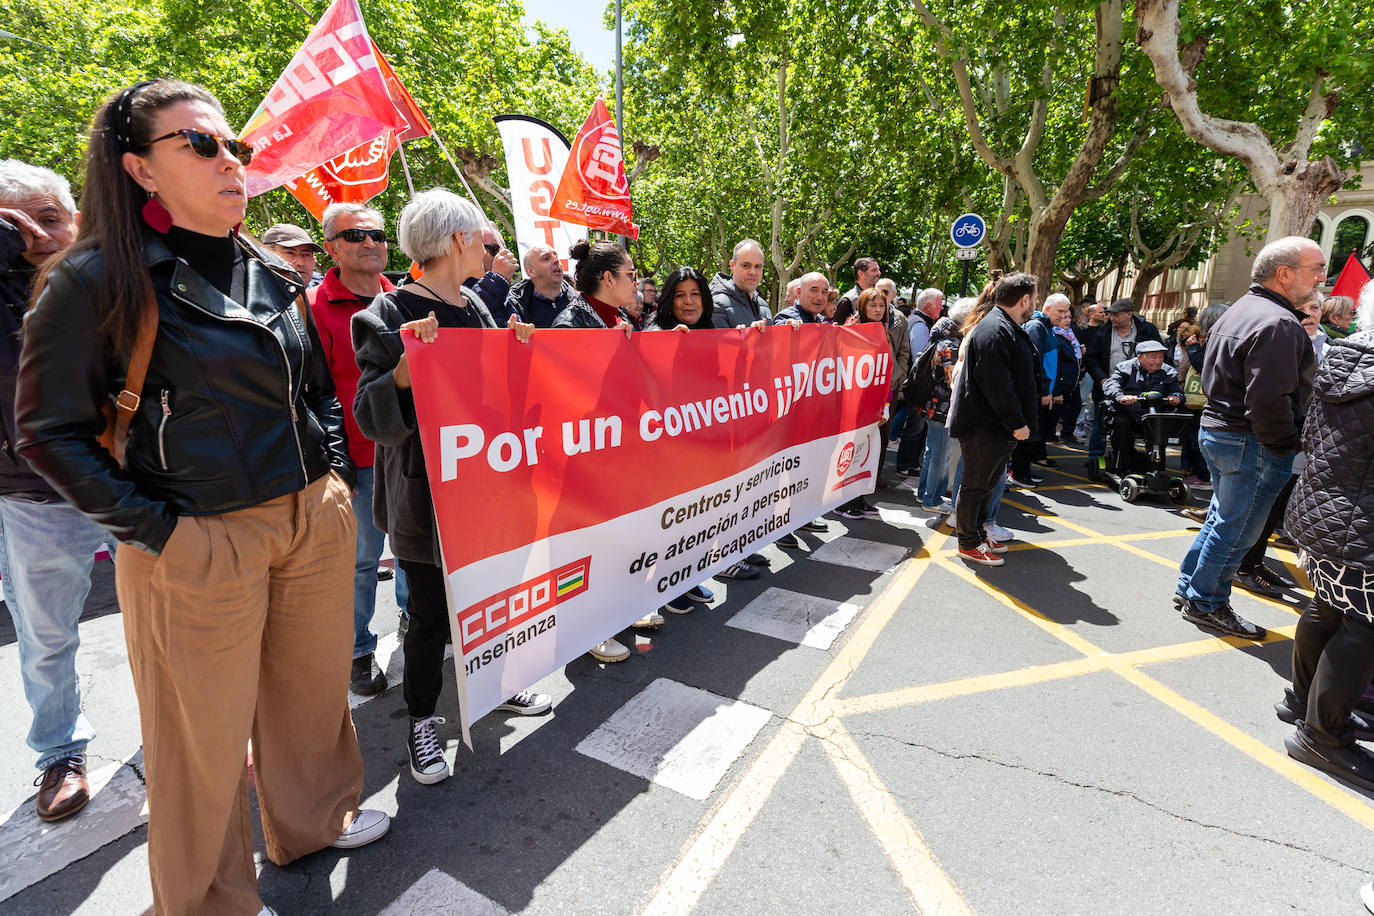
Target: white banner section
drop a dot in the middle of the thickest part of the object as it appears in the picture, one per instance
(578, 588)
(535, 156)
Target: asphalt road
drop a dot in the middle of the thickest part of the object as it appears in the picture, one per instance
(872, 727)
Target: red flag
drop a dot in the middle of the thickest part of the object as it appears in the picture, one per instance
(332, 98)
(400, 97)
(355, 177)
(1352, 279)
(593, 191)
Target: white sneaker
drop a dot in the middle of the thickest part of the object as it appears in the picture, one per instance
(945, 508)
(527, 703)
(427, 763)
(609, 651)
(998, 533)
(650, 621)
(369, 826)
(267, 911)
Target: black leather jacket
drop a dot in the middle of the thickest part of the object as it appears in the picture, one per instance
(238, 407)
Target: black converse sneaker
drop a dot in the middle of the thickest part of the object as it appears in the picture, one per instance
(427, 763)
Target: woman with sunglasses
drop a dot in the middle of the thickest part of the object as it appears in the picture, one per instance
(231, 504)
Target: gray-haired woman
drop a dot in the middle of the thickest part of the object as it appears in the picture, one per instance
(442, 233)
(1331, 516)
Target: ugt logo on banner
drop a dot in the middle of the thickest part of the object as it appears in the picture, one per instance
(594, 190)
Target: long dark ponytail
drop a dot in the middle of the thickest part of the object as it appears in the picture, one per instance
(112, 202)
(593, 260)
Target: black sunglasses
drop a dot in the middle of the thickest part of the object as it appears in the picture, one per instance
(357, 235)
(492, 250)
(206, 145)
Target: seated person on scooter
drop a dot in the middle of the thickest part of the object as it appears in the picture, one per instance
(1125, 387)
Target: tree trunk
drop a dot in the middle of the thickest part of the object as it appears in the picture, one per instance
(1293, 205)
(1145, 275)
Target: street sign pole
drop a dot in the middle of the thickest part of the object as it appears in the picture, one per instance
(963, 284)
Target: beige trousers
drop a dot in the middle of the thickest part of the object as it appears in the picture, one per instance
(243, 628)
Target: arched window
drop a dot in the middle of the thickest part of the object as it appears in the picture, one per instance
(1352, 237)
(1317, 229)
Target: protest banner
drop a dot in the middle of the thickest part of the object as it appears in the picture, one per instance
(583, 479)
(536, 153)
(593, 189)
(333, 97)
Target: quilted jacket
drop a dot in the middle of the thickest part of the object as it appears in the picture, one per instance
(1331, 513)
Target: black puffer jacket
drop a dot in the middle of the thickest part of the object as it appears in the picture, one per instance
(238, 406)
(1331, 513)
(16, 282)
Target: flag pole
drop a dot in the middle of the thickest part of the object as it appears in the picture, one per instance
(619, 97)
(405, 167)
(457, 171)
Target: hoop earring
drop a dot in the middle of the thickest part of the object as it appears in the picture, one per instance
(156, 215)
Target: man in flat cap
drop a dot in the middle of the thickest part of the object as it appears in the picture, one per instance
(1129, 380)
(295, 246)
(1115, 341)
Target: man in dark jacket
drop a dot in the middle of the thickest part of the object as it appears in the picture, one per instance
(812, 289)
(735, 295)
(1114, 341)
(994, 405)
(47, 545)
(1124, 387)
(1257, 372)
(543, 293)
(499, 266)
(1040, 330)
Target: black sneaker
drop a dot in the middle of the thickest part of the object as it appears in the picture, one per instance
(1021, 480)
(367, 679)
(816, 524)
(1180, 600)
(427, 763)
(849, 512)
(1046, 462)
(1256, 581)
(1353, 764)
(740, 570)
(527, 703)
(868, 509)
(1292, 709)
(1275, 577)
(385, 573)
(789, 541)
(909, 472)
(1223, 620)
(700, 594)
(758, 559)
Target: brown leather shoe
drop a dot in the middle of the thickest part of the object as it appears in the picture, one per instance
(64, 789)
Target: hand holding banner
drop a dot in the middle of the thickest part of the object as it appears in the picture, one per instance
(611, 475)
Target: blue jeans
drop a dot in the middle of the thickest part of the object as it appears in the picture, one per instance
(368, 552)
(1097, 437)
(935, 465)
(1246, 479)
(46, 554)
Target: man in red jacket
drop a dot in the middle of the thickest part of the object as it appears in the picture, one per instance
(355, 239)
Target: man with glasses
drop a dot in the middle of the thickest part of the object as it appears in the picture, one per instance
(1258, 379)
(494, 285)
(355, 239)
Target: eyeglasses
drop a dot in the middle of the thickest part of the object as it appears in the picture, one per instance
(206, 145)
(1320, 268)
(491, 248)
(357, 235)
(633, 275)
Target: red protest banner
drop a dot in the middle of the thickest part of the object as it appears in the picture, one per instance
(594, 191)
(611, 475)
(331, 98)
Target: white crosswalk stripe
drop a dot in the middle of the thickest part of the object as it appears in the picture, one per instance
(860, 554)
(794, 617)
(680, 737)
(438, 893)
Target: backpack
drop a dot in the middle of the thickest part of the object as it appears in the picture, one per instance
(920, 381)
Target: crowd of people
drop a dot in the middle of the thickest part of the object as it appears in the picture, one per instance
(243, 426)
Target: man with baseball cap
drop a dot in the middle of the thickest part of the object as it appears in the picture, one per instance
(1116, 341)
(294, 246)
(1129, 380)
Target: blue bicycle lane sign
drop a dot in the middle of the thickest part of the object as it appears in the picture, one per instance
(968, 230)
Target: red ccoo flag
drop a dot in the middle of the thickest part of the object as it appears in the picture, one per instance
(593, 191)
(1352, 279)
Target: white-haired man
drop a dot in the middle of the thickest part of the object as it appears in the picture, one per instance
(907, 427)
(47, 548)
(1258, 379)
(355, 239)
(812, 290)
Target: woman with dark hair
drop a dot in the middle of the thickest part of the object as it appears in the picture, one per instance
(684, 303)
(231, 502)
(607, 280)
(871, 306)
